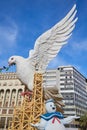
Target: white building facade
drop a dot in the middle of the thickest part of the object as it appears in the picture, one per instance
(73, 90)
(10, 96)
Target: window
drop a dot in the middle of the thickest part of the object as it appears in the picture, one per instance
(4, 111)
(6, 104)
(8, 120)
(10, 84)
(4, 84)
(0, 104)
(10, 111)
(2, 122)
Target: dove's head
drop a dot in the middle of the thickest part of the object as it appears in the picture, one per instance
(12, 60)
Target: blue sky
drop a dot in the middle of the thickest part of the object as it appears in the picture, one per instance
(23, 21)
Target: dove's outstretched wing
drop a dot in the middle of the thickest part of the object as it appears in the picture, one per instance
(49, 44)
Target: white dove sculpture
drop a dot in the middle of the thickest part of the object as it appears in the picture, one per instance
(45, 49)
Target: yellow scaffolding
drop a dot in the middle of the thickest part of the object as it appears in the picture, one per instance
(30, 110)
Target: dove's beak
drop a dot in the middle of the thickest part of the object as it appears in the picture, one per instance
(10, 63)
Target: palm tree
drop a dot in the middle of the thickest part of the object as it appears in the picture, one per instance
(83, 121)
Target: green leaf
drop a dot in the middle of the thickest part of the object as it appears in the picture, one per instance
(7, 68)
(0, 70)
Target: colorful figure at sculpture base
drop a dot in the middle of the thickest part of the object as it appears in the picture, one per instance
(52, 120)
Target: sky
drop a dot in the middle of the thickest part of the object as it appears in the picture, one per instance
(23, 21)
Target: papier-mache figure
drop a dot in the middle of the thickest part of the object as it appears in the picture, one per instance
(52, 120)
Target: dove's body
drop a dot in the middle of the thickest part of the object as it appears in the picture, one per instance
(25, 71)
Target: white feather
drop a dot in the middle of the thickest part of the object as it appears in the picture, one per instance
(49, 44)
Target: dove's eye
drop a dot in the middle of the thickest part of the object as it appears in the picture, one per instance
(12, 58)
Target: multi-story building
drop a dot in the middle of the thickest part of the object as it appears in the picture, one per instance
(73, 89)
(72, 86)
(10, 96)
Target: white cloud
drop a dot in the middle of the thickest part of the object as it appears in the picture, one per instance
(75, 48)
(8, 36)
(57, 61)
(81, 46)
